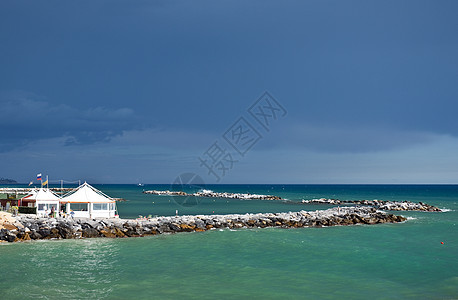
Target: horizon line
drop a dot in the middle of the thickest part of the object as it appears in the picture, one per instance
(250, 183)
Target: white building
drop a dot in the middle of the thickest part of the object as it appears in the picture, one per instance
(44, 200)
(88, 202)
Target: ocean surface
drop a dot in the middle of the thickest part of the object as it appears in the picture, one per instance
(387, 261)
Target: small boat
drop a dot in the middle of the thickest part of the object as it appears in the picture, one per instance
(140, 184)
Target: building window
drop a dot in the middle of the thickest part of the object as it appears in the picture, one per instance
(100, 206)
(78, 206)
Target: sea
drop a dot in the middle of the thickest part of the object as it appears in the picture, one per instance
(416, 259)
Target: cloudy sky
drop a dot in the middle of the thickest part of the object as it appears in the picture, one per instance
(125, 92)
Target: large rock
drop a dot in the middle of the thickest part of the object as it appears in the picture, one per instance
(90, 232)
(45, 233)
(65, 231)
(23, 236)
(108, 232)
(118, 232)
(9, 226)
(35, 235)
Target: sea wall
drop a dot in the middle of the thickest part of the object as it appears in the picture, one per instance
(28, 227)
(380, 204)
(211, 194)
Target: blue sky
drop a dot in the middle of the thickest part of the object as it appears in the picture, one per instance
(125, 92)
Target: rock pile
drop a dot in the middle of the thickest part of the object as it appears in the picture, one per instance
(380, 204)
(166, 193)
(8, 224)
(211, 194)
(29, 227)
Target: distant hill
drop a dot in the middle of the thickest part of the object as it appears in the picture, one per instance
(7, 181)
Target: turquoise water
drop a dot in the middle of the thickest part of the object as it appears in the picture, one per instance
(389, 261)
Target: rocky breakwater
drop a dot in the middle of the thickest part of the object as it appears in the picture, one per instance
(8, 225)
(380, 204)
(29, 227)
(211, 194)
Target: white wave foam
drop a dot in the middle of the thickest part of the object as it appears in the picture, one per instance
(446, 209)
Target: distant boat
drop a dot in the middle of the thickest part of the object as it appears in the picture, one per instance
(140, 184)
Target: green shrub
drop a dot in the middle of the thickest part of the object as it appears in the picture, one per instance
(27, 210)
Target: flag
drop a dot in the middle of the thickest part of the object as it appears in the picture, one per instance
(46, 182)
(39, 177)
(31, 182)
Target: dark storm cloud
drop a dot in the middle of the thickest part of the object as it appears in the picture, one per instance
(359, 77)
(28, 118)
(344, 139)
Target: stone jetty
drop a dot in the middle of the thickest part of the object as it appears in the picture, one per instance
(29, 227)
(211, 194)
(380, 204)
